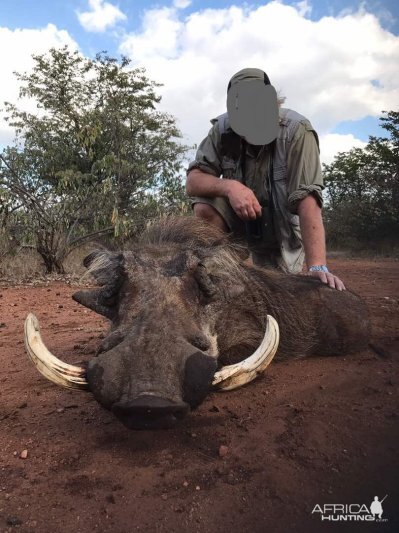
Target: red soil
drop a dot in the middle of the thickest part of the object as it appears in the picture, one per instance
(311, 431)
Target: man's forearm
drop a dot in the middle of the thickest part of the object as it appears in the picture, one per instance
(312, 230)
(200, 183)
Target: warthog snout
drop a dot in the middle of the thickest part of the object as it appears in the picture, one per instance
(144, 399)
(150, 412)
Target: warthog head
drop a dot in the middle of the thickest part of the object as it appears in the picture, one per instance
(178, 308)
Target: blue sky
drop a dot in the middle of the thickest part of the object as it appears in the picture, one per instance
(334, 60)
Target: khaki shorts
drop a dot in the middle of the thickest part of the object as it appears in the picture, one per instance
(261, 255)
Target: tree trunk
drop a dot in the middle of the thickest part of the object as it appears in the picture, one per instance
(52, 264)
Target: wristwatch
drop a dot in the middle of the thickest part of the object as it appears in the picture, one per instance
(318, 268)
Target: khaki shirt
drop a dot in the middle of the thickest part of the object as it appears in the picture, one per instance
(304, 175)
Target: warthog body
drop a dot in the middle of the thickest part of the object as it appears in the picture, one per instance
(183, 302)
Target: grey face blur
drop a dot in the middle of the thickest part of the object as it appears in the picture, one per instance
(253, 111)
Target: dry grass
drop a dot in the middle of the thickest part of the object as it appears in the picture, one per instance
(26, 264)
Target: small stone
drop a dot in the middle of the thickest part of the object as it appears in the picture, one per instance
(15, 454)
(14, 521)
(60, 306)
(197, 487)
(110, 498)
(164, 496)
(185, 483)
(60, 409)
(193, 435)
(223, 450)
(24, 454)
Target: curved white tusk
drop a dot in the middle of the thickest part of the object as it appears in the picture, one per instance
(233, 376)
(60, 373)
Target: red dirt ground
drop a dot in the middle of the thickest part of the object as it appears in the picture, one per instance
(311, 431)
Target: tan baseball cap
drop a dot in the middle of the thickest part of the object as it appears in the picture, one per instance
(252, 106)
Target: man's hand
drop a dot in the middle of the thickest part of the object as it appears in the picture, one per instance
(243, 201)
(327, 277)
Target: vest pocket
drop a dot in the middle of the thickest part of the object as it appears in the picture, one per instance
(279, 172)
(287, 222)
(280, 188)
(228, 168)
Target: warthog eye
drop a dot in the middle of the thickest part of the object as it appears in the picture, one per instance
(206, 285)
(113, 339)
(200, 341)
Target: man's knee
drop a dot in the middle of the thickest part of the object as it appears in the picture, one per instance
(209, 213)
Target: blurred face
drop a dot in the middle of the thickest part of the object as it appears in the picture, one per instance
(253, 111)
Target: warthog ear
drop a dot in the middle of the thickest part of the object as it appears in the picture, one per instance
(219, 274)
(108, 270)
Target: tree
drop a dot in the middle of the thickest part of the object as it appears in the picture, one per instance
(97, 155)
(363, 190)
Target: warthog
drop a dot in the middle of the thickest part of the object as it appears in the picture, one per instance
(184, 302)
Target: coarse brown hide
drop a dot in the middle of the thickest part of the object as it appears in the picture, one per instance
(184, 301)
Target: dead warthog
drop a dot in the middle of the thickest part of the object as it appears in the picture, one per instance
(183, 303)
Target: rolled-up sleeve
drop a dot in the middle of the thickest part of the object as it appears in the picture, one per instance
(304, 175)
(208, 157)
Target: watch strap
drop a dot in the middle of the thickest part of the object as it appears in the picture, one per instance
(318, 268)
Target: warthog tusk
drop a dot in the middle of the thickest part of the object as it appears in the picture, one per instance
(60, 373)
(233, 376)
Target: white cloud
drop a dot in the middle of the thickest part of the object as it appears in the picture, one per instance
(333, 143)
(22, 43)
(101, 17)
(324, 67)
(304, 8)
(181, 4)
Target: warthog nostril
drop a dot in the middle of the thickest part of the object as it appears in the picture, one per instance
(150, 412)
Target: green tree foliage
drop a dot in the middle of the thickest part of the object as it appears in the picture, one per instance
(97, 155)
(362, 186)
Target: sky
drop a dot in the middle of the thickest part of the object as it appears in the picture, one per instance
(335, 61)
